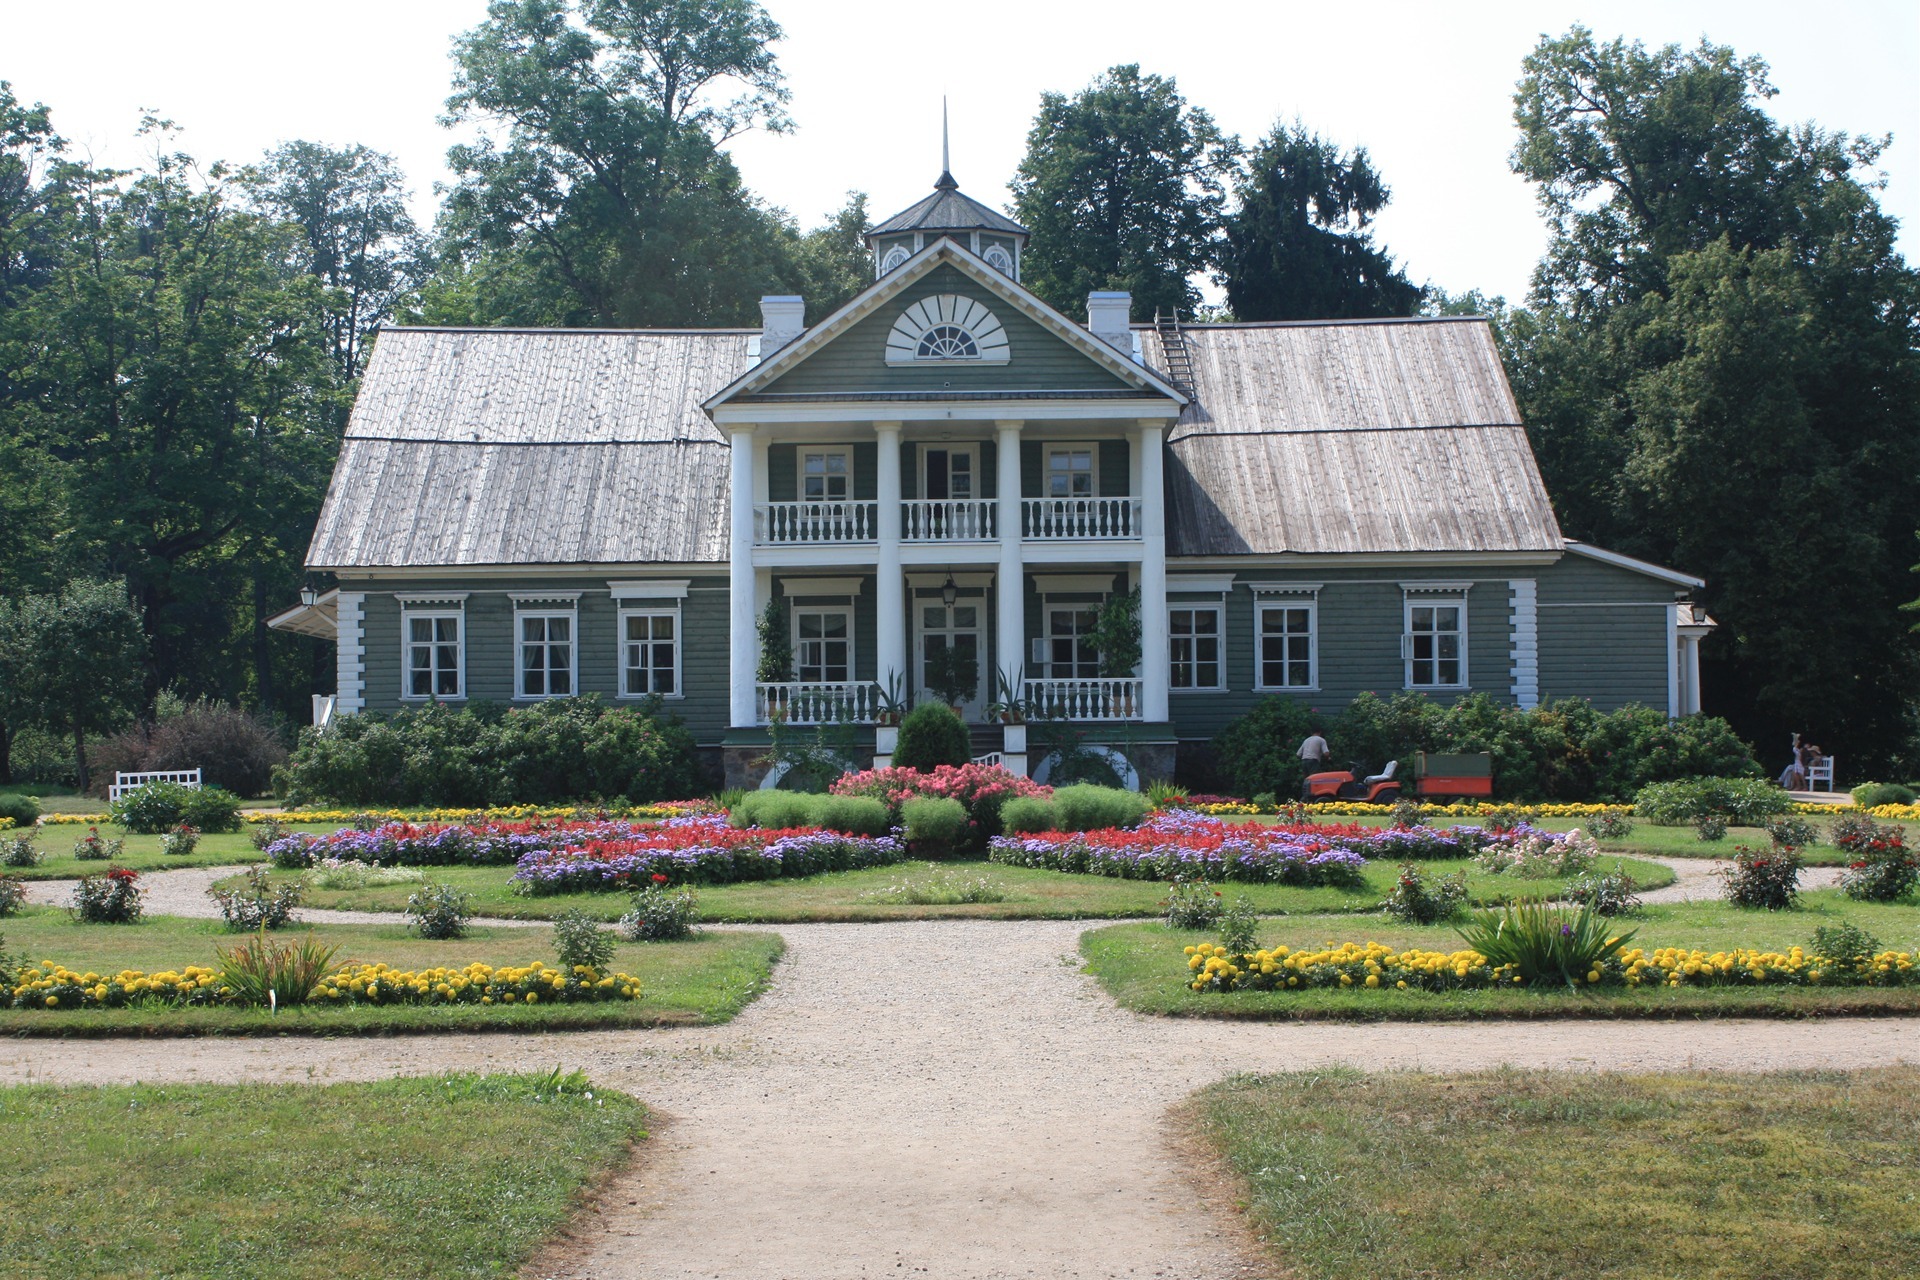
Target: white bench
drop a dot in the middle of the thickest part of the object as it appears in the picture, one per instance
(125, 782)
(1819, 773)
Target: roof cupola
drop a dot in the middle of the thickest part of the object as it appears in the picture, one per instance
(994, 237)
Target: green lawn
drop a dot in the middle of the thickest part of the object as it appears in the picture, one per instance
(1143, 966)
(429, 1176)
(142, 853)
(706, 979)
(1540, 1175)
(842, 895)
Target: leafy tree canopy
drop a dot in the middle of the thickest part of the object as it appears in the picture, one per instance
(1123, 187)
(1298, 246)
(1720, 370)
(71, 663)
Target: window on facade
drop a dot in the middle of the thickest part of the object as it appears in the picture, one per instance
(649, 652)
(947, 342)
(1070, 473)
(434, 659)
(823, 646)
(895, 257)
(824, 477)
(999, 259)
(1194, 645)
(1436, 644)
(1071, 654)
(546, 655)
(950, 473)
(1286, 635)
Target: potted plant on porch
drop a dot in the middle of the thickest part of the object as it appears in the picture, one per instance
(892, 702)
(1116, 634)
(954, 674)
(1008, 706)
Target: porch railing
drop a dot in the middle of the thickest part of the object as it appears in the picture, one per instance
(855, 702)
(948, 519)
(1051, 519)
(783, 524)
(1100, 699)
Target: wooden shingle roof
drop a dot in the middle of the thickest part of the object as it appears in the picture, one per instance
(1371, 436)
(509, 447)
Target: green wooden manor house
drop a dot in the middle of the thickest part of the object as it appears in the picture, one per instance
(942, 484)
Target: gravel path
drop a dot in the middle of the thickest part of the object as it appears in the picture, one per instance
(948, 1097)
(1698, 879)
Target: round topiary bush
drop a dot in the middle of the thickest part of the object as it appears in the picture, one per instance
(24, 810)
(931, 736)
(1871, 795)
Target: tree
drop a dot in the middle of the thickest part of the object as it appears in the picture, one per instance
(1298, 245)
(1122, 187)
(832, 260)
(355, 235)
(596, 193)
(72, 663)
(1720, 368)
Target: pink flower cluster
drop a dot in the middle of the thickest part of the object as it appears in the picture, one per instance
(976, 786)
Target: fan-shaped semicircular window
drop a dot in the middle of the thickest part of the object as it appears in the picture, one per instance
(947, 327)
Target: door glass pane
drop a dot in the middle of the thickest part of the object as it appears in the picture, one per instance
(960, 476)
(936, 473)
(966, 615)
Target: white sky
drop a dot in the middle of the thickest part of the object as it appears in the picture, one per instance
(1425, 87)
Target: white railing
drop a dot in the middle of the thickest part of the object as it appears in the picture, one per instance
(780, 524)
(856, 702)
(948, 519)
(1100, 699)
(995, 759)
(1047, 519)
(125, 782)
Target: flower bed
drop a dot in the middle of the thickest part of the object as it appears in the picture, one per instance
(1180, 844)
(1232, 806)
(698, 849)
(52, 987)
(410, 844)
(496, 813)
(1375, 966)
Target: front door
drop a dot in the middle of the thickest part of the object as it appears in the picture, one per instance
(951, 649)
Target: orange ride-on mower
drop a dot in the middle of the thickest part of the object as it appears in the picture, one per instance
(1351, 784)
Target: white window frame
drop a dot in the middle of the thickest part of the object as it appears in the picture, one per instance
(1418, 595)
(1219, 638)
(661, 609)
(965, 449)
(846, 455)
(1262, 606)
(408, 615)
(798, 611)
(522, 614)
(1048, 608)
(1093, 470)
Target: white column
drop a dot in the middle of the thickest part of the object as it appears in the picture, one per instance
(1154, 656)
(1690, 703)
(890, 630)
(743, 648)
(1010, 633)
(350, 669)
(1673, 661)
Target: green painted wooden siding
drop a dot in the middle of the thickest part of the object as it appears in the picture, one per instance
(855, 362)
(1603, 634)
(489, 625)
(1113, 466)
(783, 469)
(865, 615)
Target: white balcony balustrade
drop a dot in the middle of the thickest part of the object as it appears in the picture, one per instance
(949, 520)
(1059, 519)
(1100, 699)
(854, 702)
(790, 524)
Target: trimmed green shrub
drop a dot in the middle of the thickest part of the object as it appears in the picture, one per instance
(1871, 795)
(774, 810)
(935, 825)
(24, 810)
(158, 807)
(439, 911)
(1024, 815)
(558, 750)
(1744, 802)
(578, 939)
(659, 914)
(855, 815)
(1090, 808)
(931, 735)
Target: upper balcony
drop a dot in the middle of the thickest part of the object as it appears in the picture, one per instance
(946, 520)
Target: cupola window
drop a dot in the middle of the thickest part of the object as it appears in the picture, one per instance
(896, 257)
(999, 259)
(947, 327)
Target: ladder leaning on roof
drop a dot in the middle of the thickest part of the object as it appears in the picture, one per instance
(1173, 344)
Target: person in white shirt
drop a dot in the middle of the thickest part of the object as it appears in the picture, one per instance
(1314, 752)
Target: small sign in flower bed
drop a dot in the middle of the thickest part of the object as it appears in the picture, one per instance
(1375, 966)
(1182, 845)
(699, 849)
(53, 987)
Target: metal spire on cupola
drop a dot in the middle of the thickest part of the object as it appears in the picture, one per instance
(945, 182)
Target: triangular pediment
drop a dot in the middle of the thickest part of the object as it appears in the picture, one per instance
(945, 322)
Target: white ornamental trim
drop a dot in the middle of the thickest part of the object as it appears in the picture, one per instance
(947, 311)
